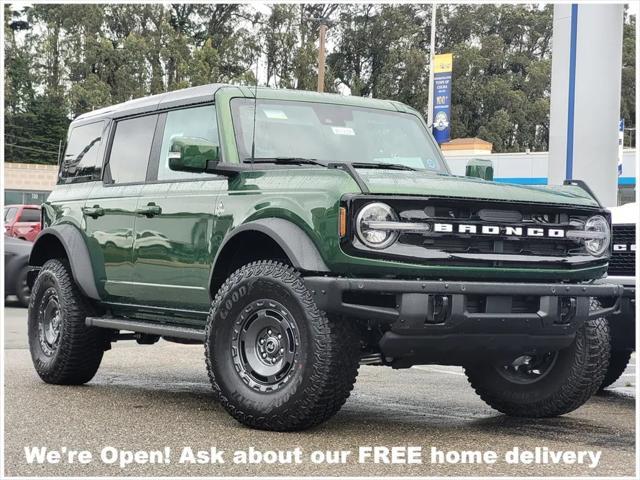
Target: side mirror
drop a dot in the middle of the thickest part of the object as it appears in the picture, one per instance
(193, 154)
(480, 168)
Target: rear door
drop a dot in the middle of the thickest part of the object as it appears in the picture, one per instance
(173, 234)
(110, 214)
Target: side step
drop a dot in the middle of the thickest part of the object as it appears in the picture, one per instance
(159, 329)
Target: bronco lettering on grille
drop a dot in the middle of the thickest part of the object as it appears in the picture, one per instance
(499, 230)
(624, 247)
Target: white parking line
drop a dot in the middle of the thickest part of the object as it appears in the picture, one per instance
(437, 370)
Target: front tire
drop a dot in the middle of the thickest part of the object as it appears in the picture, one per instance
(275, 361)
(549, 384)
(63, 349)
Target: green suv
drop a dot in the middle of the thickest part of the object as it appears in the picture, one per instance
(299, 235)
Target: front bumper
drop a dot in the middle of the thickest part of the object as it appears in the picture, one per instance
(453, 322)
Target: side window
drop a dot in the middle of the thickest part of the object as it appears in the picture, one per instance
(197, 122)
(10, 214)
(81, 155)
(131, 148)
(30, 215)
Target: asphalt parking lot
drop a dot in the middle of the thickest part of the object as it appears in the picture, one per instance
(152, 397)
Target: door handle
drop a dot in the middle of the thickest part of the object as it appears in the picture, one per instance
(150, 210)
(93, 212)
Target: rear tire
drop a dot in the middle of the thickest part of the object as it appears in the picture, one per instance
(275, 361)
(617, 365)
(63, 349)
(573, 376)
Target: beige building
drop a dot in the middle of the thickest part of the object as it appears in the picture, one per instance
(26, 183)
(466, 146)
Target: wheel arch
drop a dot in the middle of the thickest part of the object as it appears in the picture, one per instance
(278, 239)
(57, 242)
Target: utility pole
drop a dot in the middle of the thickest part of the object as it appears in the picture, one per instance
(432, 56)
(322, 53)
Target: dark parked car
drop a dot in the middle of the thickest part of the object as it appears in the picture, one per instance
(16, 266)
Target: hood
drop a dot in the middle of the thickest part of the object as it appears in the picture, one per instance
(394, 182)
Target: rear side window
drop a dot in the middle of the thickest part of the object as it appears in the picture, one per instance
(30, 215)
(80, 161)
(130, 149)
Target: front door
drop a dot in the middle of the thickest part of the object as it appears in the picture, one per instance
(174, 227)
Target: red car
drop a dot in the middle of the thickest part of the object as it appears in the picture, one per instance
(22, 221)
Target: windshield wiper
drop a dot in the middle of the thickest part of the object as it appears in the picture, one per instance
(382, 165)
(285, 161)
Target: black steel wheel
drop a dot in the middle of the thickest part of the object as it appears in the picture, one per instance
(528, 368)
(49, 322)
(265, 346)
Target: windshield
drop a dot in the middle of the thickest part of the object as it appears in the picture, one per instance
(333, 133)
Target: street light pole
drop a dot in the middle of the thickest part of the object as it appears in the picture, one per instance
(321, 55)
(432, 56)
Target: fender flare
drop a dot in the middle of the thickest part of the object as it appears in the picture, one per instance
(294, 241)
(77, 252)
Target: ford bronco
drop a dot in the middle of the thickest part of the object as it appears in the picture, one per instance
(298, 235)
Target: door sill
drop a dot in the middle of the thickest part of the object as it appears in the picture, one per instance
(151, 328)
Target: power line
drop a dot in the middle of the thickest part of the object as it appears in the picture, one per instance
(30, 140)
(29, 148)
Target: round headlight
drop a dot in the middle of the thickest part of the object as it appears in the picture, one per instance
(599, 243)
(376, 237)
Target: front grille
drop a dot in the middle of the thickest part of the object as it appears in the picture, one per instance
(623, 258)
(507, 240)
(479, 214)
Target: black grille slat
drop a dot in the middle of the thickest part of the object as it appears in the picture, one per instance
(510, 246)
(623, 263)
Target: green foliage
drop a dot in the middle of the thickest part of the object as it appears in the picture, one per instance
(63, 60)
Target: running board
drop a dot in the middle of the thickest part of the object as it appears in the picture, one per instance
(146, 327)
